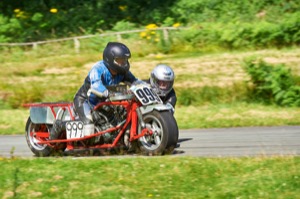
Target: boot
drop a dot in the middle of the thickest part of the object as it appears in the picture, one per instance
(58, 127)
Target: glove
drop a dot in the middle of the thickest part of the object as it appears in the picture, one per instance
(97, 93)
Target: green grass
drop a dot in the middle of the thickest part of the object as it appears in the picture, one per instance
(235, 115)
(59, 74)
(13, 121)
(211, 87)
(215, 94)
(150, 177)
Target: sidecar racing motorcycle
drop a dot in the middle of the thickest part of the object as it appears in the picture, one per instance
(133, 119)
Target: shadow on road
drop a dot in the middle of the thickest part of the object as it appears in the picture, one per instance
(184, 140)
(177, 151)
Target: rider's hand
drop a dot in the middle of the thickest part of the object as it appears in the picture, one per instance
(97, 93)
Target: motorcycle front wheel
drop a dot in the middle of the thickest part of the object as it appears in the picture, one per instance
(165, 133)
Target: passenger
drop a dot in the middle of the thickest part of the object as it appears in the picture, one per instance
(162, 80)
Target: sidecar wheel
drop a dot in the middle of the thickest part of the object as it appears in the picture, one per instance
(165, 134)
(40, 150)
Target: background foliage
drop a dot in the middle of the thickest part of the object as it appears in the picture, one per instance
(229, 23)
(272, 84)
(209, 26)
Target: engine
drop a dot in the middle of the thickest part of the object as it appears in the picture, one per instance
(108, 117)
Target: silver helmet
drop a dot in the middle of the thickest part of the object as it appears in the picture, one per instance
(162, 79)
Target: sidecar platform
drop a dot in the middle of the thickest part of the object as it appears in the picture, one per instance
(47, 112)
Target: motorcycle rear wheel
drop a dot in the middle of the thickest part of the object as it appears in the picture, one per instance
(40, 150)
(165, 133)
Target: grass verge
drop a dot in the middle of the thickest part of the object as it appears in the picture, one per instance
(155, 177)
(235, 115)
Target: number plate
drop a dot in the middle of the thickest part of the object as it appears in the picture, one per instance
(145, 94)
(74, 129)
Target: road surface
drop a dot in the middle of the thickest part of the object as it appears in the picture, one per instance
(222, 142)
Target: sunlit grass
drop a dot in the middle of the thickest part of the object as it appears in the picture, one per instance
(235, 115)
(13, 121)
(150, 177)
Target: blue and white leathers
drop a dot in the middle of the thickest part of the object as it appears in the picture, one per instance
(98, 78)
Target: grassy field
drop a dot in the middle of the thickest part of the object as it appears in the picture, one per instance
(28, 77)
(50, 76)
(150, 177)
(53, 76)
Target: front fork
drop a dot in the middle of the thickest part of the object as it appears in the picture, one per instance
(137, 119)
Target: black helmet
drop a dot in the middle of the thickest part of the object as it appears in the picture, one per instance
(115, 57)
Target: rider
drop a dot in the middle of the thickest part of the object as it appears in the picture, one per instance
(162, 80)
(113, 69)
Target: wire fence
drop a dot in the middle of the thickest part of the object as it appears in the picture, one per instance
(77, 39)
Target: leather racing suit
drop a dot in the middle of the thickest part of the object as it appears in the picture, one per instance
(98, 78)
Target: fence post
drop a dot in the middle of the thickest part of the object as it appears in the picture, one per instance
(34, 46)
(166, 35)
(119, 38)
(77, 45)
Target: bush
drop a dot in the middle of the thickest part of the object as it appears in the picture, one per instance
(9, 29)
(272, 83)
(234, 23)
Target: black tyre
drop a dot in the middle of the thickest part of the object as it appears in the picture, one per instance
(165, 133)
(40, 150)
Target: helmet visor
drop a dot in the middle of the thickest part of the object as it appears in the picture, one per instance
(121, 61)
(164, 85)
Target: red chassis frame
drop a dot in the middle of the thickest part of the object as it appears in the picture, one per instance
(132, 117)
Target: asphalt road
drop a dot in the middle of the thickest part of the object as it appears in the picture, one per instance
(223, 142)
